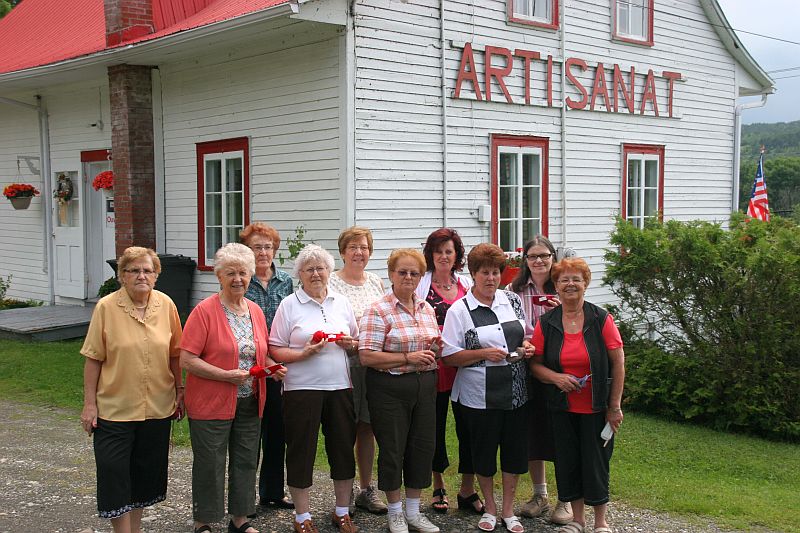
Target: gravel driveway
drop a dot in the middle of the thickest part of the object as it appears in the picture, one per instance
(47, 485)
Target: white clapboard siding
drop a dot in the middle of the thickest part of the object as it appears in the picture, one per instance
(398, 119)
(283, 93)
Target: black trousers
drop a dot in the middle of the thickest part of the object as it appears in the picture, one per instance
(273, 446)
(582, 463)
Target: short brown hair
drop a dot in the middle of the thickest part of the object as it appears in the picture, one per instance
(571, 263)
(400, 253)
(133, 253)
(352, 233)
(259, 228)
(486, 255)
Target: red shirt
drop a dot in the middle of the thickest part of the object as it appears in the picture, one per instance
(574, 360)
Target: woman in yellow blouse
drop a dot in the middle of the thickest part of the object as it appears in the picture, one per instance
(132, 387)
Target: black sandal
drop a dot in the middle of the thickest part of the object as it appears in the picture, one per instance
(467, 503)
(241, 529)
(203, 529)
(442, 505)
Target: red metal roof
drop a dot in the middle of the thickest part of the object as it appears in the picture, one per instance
(41, 32)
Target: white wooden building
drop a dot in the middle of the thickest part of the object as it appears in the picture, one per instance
(384, 113)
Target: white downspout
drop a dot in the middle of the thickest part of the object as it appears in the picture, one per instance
(737, 140)
(444, 116)
(47, 194)
(563, 48)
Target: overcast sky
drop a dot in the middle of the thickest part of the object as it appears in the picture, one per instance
(775, 18)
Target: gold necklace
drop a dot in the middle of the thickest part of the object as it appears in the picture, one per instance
(573, 323)
(445, 286)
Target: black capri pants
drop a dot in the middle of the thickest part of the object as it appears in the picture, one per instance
(132, 460)
(489, 429)
(582, 463)
(403, 413)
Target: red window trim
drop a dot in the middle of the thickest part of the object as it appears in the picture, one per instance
(656, 149)
(520, 141)
(93, 156)
(551, 26)
(239, 144)
(649, 41)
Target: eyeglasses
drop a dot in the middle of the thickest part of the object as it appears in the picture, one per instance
(404, 273)
(139, 271)
(262, 248)
(315, 270)
(566, 281)
(357, 248)
(540, 257)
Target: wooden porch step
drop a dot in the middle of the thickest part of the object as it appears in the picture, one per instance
(46, 323)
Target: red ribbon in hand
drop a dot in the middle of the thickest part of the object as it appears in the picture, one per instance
(320, 336)
(259, 372)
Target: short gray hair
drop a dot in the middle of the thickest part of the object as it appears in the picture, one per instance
(235, 253)
(309, 253)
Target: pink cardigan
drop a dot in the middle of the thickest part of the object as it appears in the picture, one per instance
(208, 335)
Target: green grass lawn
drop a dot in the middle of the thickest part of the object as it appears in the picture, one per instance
(737, 481)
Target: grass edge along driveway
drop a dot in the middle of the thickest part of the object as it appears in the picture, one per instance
(737, 481)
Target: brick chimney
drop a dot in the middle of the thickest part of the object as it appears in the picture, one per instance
(127, 19)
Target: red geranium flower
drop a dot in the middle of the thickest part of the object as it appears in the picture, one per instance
(104, 180)
(20, 190)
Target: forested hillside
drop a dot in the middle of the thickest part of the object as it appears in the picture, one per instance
(781, 164)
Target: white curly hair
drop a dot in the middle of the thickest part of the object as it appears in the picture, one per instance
(235, 254)
(312, 252)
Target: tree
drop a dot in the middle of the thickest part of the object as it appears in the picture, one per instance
(5, 8)
(783, 183)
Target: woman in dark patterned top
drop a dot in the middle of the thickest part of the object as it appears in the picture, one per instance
(481, 335)
(441, 286)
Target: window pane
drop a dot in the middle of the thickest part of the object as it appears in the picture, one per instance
(233, 174)
(213, 176)
(530, 202)
(530, 169)
(508, 169)
(634, 174)
(213, 241)
(521, 7)
(508, 202)
(213, 210)
(508, 235)
(529, 228)
(541, 9)
(232, 234)
(650, 202)
(233, 209)
(633, 203)
(651, 173)
(637, 21)
(623, 19)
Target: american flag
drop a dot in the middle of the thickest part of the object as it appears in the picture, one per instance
(758, 207)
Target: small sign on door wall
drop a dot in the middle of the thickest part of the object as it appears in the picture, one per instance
(109, 212)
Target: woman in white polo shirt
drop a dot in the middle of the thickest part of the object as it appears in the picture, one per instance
(317, 388)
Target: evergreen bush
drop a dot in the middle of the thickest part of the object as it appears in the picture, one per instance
(712, 321)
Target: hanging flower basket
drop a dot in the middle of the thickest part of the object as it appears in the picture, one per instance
(104, 180)
(20, 194)
(513, 264)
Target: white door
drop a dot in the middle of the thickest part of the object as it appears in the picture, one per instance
(70, 272)
(99, 232)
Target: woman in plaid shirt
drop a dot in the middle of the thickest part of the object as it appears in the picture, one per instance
(398, 336)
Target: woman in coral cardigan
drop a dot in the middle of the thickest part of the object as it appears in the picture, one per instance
(226, 335)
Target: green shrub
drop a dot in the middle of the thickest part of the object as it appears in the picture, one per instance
(716, 313)
(110, 285)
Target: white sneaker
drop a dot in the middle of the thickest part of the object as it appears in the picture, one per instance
(422, 524)
(562, 514)
(397, 523)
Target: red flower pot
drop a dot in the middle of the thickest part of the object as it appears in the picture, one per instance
(509, 273)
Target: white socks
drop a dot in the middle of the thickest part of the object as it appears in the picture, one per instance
(396, 507)
(412, 507)
(300, 518)
(540, 489)
(341, 511)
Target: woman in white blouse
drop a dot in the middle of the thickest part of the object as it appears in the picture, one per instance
(361, 288)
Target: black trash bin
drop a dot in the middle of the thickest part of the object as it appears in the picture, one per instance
(175, 279)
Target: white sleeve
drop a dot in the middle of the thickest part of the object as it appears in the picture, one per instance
(281, 330)
(454, 329)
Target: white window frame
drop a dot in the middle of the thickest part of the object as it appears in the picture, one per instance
(225, 227)
(639, 218)
(520, 152)
(623, 11)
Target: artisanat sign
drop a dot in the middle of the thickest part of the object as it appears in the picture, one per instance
(613, 89)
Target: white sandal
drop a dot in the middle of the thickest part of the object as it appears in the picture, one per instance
(603, 530)
(487, 518)
(513, 524)
(572, 527)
